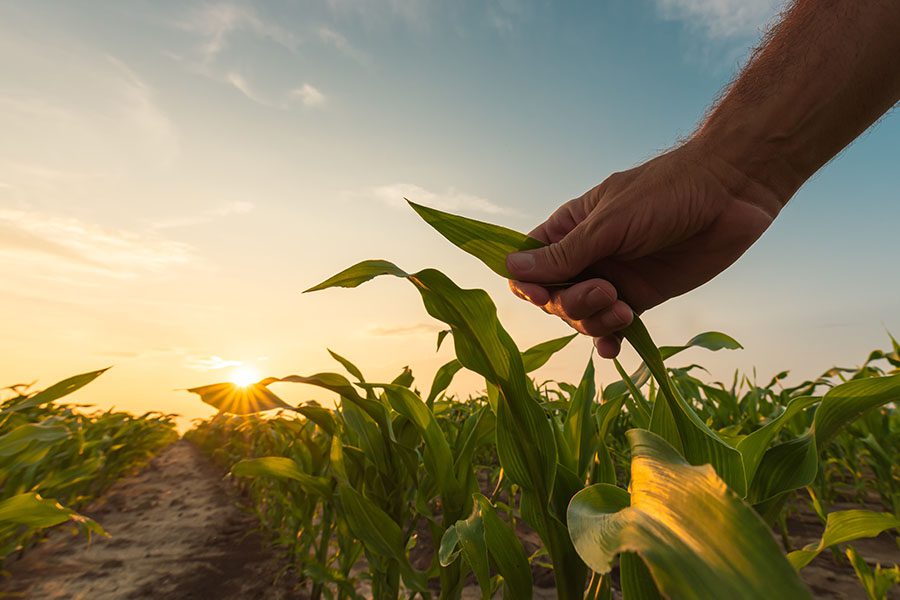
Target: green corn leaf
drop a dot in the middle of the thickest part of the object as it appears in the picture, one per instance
(342, 386)
(442, 379)
(524, 436)
(637, 404)
(579, 429)
(31, 510)
(506, 552)
(844, 403)
(372, 525)
(359, 274)
(754, 446)
(449, 549)
(322, 417)
(793, 464)
(351, 368)
(21, 437)
(60, 389)
(240, 399)
(677, 422)
(698, 538)
(784, 467)
(710, 340)
(475, 551)
(842, 527)
(636, 581)
(491, 244)
(438, 457)
(282, 467)
(477, 431)
(443, 333)
(537, 356)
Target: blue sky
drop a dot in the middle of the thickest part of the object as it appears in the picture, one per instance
(172, 174)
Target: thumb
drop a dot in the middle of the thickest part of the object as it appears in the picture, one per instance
(558, 262)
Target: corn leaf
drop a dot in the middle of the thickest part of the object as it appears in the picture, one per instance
(282, 467)
(676, 421)
(491, 244)
(710, 340)
(636, 580)
(579, 429)
(442, 379)
(698, 538)
(844, 403)
(31, 510)
(754, 446)
(537, 356)
(239, 399)
(845, 526)
(475, 550)
(351, 368)
(506, 552)
(18, 439)
(58, 390)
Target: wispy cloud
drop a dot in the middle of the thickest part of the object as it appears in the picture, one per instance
(404, 329)
(219, 54)
(721, 19)
(216, 23)
(210, 363)
(450, 200)
(309, 95)
(44, 239)
(338, 41)
(225, 210)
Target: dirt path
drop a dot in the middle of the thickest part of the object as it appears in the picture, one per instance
(176, 534)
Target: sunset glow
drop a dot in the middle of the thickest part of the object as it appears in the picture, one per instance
(244, 376)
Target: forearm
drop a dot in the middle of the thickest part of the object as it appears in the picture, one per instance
(828, 71)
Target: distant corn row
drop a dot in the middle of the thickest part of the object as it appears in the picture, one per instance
(672, 483)
(55, 458)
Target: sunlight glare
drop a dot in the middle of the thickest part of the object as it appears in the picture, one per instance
(244, 376)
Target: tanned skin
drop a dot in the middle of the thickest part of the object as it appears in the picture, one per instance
(821, 77)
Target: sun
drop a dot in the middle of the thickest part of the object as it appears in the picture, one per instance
(244, 376)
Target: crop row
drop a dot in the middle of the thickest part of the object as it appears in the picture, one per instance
(673, 483)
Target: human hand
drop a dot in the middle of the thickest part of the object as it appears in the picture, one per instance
(641, 237)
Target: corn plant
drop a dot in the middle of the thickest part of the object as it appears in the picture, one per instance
(750, 468)
(708, 467)
(55, 458)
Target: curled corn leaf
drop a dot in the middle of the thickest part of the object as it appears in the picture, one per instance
(698, 539)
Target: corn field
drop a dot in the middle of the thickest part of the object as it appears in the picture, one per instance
(659, 484)
(56, 458)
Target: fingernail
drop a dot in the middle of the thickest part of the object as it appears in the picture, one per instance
(521, 262)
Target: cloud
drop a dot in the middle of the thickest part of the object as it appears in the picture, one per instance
(449, 200)
(210, 363)
(216, 23)
(45, 240)
(407, 329)
(309, 95)
(76, 118)
(225, 210)
(342, 44)
(721, 19)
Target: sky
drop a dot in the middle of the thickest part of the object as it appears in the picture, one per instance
(174, 174)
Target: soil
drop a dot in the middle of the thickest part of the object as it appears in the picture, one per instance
(177, 532)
